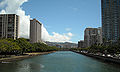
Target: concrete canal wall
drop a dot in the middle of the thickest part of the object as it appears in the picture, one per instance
(106, 59)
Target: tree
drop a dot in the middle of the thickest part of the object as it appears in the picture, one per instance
(24, 44)
(8, 47)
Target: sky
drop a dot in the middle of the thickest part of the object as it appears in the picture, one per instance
(63, 20)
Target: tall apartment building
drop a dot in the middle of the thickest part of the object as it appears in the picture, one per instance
(35, 31)
(92, 36)
(81, 44)
(111, 19)
(9, 26)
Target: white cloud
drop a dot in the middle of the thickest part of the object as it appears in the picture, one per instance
(14, 7)
(70, 34)
(68, 29)
(56, 37)
(45, 34)
(2, 12)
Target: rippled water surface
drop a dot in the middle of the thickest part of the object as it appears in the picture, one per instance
(62, 61)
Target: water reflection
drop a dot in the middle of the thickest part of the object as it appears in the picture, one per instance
(8, 67)
(29, 66)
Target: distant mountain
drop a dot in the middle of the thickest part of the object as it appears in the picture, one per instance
(62, 45)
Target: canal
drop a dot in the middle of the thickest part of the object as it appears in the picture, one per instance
(61, 61)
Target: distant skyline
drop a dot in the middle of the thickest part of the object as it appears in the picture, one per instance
(65, 18)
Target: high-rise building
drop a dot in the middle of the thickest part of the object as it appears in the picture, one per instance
(111, 19)
(99, 36)
(92, 36)
(81, 44)
(35, 31)
(9, 26)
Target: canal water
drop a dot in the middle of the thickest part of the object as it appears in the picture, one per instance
(61, 61)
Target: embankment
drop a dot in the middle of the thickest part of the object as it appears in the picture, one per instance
(103, 58)
(21, 57)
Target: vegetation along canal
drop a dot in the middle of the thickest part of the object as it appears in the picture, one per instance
(61, 61)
